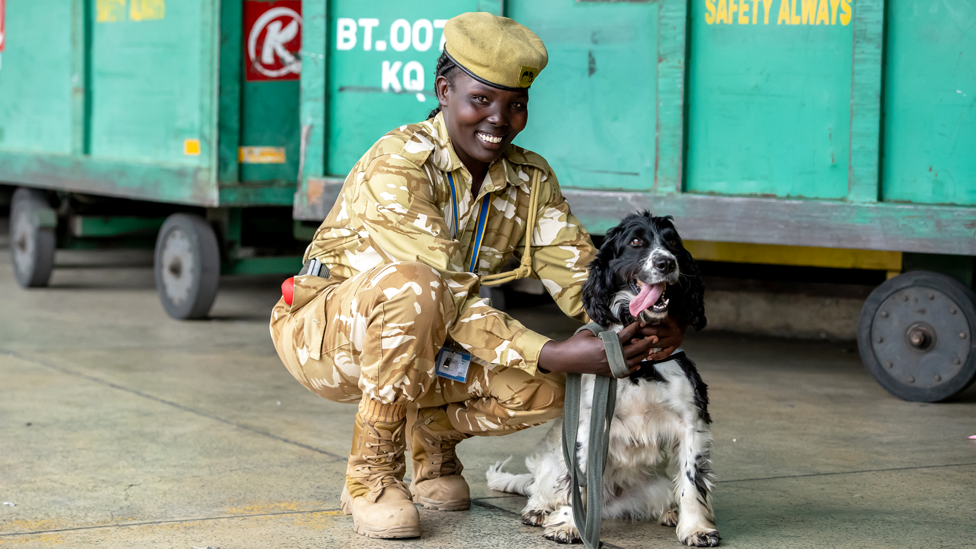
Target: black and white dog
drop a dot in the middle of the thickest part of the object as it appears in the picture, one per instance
(658, 464)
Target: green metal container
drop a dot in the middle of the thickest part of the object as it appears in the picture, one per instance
(797, 123)
(738, 122)
(191, 105)
(141, 99)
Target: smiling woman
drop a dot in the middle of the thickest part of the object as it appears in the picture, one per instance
(394, 321)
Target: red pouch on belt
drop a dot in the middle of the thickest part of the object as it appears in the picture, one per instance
(288, 290)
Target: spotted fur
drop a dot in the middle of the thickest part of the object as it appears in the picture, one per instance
(658, 461)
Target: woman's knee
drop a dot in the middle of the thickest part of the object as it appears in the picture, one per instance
(411, 289)
(541, 395)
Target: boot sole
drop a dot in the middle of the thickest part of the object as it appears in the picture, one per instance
(394, 532)
(450, 505)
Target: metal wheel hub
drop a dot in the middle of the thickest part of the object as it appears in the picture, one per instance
(179, 266)
(23, 243)
(921, 337)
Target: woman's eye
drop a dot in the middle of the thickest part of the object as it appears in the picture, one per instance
(518, 106)
(636, 242)
(481, 99)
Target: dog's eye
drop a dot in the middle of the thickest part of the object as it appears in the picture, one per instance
(636, 242)
(673, 242)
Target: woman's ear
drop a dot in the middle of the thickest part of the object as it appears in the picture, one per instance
(442, 87)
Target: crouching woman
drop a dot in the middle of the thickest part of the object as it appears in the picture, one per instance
(428, 212)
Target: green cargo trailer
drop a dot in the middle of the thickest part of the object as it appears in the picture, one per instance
(172, 121)
(824, 132)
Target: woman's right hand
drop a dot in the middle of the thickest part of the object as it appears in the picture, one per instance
(584, 352)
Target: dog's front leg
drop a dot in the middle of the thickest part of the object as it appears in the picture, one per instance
(696, 520)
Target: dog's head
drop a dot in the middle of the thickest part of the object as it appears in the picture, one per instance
(643, 270)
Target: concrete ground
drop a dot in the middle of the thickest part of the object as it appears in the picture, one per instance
(122, 428)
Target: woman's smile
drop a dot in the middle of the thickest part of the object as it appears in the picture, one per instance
(490, 139)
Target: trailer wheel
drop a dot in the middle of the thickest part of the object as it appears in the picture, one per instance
(915, 336)
(32, 238)
(187, 266)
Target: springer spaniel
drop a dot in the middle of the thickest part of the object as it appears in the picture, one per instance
(658, 463)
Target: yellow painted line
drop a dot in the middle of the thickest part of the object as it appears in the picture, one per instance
(40, 540)
(261, 155)
(800, 256)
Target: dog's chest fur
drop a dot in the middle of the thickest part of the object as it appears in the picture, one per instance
(649, 417)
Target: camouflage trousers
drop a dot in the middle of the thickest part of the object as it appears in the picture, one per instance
(377, 336)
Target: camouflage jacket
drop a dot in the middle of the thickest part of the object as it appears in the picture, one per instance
(396, 205)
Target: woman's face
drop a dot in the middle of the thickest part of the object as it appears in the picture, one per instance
(481, 120)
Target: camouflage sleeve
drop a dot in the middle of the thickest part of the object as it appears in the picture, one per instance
(561, 252)
(395, 201)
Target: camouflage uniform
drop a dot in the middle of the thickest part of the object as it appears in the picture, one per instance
(399, 285)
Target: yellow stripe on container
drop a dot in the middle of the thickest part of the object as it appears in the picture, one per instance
(800, 256)
(261, 155)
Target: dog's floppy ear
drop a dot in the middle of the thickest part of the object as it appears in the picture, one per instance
(691, 309)
(599, 287)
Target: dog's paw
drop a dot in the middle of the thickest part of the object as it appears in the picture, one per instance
(669, 518)
(563, 535)
(560, 527)
(534, 517)
(706, 538)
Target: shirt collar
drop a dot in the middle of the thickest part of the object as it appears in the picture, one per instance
(444, 157)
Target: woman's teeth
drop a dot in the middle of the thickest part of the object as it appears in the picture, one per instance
(489, 138)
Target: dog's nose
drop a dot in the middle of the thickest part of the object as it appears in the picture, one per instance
(665, 265)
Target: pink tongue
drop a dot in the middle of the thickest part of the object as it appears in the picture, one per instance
(648, 296)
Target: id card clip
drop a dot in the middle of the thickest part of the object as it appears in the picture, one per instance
(453, 364)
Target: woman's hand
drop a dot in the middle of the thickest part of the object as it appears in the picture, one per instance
(584, 353)
(670, 334)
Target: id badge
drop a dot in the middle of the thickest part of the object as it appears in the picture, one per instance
(453, 364)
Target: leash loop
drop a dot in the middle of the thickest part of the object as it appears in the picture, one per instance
(589, 519)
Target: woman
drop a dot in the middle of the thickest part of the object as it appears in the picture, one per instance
(427, 212)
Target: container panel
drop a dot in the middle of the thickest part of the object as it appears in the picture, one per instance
(770, 98)
(35, 77)
(592, 112)
(930, 93)
(149, 69)
(269, 121)
(381, 61)
(271, 57)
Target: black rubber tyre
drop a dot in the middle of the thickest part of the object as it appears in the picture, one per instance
(32, 238)
(187, 266)
(915, 336)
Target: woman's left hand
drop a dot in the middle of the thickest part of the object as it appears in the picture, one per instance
(670, 334)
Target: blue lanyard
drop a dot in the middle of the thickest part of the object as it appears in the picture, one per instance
(482, 222)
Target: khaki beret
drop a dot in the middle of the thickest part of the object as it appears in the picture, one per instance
(495, 50)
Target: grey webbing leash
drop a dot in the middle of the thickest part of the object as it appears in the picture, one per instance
(589, 522)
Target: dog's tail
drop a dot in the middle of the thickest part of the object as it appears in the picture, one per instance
(507, 482)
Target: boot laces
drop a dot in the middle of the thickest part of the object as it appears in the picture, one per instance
(381, 467)
(442, 449)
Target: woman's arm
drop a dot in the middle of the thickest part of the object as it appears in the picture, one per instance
(584, 352)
